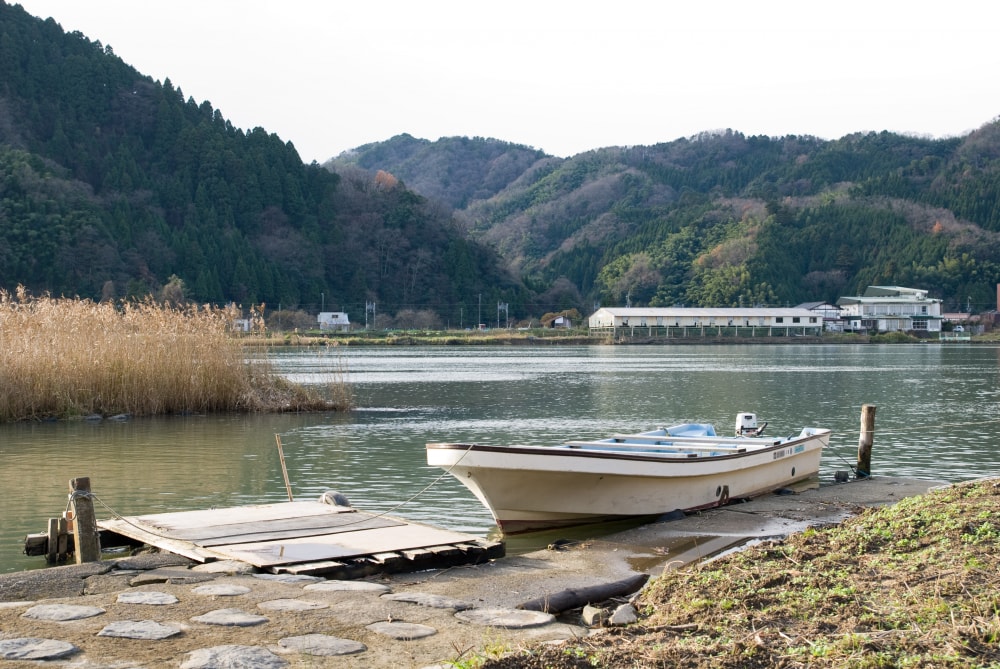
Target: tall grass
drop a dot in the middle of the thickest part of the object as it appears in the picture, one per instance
(63, 357)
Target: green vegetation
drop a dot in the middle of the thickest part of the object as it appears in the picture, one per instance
(63, 358)
(724, 219)
(911, 585)
(112, 185)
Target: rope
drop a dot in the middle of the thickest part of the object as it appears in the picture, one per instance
(417, 494)
(368, 517)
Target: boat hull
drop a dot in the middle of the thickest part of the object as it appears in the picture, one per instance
(535, 488)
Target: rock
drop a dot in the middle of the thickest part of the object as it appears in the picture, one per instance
(233, 657)
(49, 583)
(230, 618)
(594, 616)
(509, 618)
(149, 597)
(61, 612)
(433, 601)
(402, 631)
(146, 630)
(230, 567)
(35, 649)
(624, 615)
(291, 605)
(354, 586)
(221, 590)
(322, 644)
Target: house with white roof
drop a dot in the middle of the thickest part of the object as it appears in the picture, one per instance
(333, 320)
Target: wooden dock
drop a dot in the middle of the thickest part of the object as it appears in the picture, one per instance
(305, 538)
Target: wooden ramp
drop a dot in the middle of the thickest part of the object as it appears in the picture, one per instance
(305, 538)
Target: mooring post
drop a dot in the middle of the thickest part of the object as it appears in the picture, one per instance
(865, 441)
(88, 543)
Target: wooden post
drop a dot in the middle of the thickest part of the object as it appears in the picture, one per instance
(284, 469)
(865, 441)
(88, 543)
(52, 552)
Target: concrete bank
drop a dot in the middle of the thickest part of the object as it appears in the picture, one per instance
(160, 610)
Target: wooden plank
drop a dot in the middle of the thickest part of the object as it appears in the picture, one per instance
(127, 528)
(252, 513)
(217, 535)
(339, 546)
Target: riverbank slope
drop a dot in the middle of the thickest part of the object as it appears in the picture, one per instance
(912, 584)
(170, 593)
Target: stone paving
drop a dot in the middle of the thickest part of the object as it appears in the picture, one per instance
(203, 616)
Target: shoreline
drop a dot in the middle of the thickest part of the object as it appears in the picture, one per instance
(498, 585)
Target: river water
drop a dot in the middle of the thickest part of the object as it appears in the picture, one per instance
(938, 417)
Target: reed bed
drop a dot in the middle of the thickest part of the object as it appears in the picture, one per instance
(63, 357)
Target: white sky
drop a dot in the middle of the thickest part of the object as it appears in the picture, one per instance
(561, 76)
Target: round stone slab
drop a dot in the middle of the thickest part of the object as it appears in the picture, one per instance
(29, 648)
(233, 656)
(322, 644)
(433, 601)
(150, 597)
(61, 612)
(230, 618)
(509, 618)
(147, 630)
(352, 586)
(221, 590)
(291, 605)
(402, 631)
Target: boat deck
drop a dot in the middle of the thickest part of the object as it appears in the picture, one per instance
(305, 538)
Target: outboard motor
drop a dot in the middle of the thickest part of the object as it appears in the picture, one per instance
(746, 425)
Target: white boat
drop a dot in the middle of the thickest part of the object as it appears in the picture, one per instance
(683, 467)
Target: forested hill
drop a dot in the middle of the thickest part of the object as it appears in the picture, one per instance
(723, 219)
(114, 185)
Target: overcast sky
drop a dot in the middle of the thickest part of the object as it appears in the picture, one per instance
(564, 77)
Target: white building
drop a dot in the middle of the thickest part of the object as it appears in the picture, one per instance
(791, 320)
(333, 320)
(891, 309)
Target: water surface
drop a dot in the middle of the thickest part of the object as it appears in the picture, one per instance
(937, 418)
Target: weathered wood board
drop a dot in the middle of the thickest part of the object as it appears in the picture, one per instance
(304, 537)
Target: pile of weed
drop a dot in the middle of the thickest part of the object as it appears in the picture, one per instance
(62, 358)
(916, 584)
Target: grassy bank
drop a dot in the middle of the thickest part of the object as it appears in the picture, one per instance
(61, 358)
(539, 337)
(916, 584)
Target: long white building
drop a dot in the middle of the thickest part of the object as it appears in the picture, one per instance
(796, 320)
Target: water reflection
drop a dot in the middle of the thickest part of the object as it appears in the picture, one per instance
(937, 418)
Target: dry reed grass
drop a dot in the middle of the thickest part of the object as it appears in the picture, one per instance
(63, 357)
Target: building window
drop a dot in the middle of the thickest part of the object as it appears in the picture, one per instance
(779, 319)
(795, 319)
